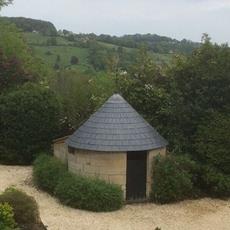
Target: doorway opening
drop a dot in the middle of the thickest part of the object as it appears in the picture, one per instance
(136, 175)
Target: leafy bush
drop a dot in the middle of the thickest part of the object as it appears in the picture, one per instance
(25, 209)
(212, 142)
(173, 178)
(6, 216)
(74, 190)
(46, 172)
(12, 73)
(74, 60)
(215, 183)
(5, 227)
(89, 194)
(29, 120)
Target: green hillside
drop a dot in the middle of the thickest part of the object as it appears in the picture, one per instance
(61, 52)
(62, 49)
(30, 25)
(50, 54)
(39, 39)
(92, 51)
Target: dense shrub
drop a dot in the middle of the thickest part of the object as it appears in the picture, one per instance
(212, 142)
(12, 73)
(89, 194)
(6, 217)
(46, 172)
(214, 182)
(75, 190)
(29, 120)
(74, 60)
(25, 209)
(173, 178)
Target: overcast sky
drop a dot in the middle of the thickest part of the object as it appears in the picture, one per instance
(175, 18)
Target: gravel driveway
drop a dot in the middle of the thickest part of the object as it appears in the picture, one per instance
(204, 214)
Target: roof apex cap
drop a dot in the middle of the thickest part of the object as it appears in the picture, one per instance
(116, 98)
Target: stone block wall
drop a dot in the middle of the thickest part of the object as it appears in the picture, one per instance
(60, 150)
(109, 166)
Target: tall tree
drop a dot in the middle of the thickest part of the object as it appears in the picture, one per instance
(212, 141)
(199, 85)
(5, 3)
(12, 73)
(13, 45)
(177, 99)
(29, 121)
(144, 86)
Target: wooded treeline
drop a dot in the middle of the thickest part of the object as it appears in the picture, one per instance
(33, 25)
(154, 42)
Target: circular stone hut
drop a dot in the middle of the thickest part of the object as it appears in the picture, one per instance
(115, 144)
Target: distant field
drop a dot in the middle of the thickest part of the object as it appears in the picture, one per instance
(50, 53)
(39, 39)
(112, 46)
(159, 58)
(65, 50)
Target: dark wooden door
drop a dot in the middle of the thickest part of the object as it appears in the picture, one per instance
(136, 175)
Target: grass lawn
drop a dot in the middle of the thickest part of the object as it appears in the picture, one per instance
(65, 50)
(39, 39)
(49, 55)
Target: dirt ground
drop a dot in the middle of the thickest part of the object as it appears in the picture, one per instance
(204, 214)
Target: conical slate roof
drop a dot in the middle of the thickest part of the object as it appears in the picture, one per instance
(116, 126)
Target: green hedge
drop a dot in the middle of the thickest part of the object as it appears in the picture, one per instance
(214, 182)
(25, 208)
(89, 194)
(212, 145)
(6, 217)
(47, 171)
(173, 179)
(75, 190)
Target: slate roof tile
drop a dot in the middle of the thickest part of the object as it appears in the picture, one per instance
(116, 126)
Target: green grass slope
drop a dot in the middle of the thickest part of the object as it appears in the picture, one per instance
(50, 54)
(63, 50)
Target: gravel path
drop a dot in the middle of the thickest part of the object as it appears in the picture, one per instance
(204, 214)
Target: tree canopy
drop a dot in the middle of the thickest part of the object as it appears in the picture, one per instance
(14, 46)
(33, 25)
(5, 2)
(29, 121)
